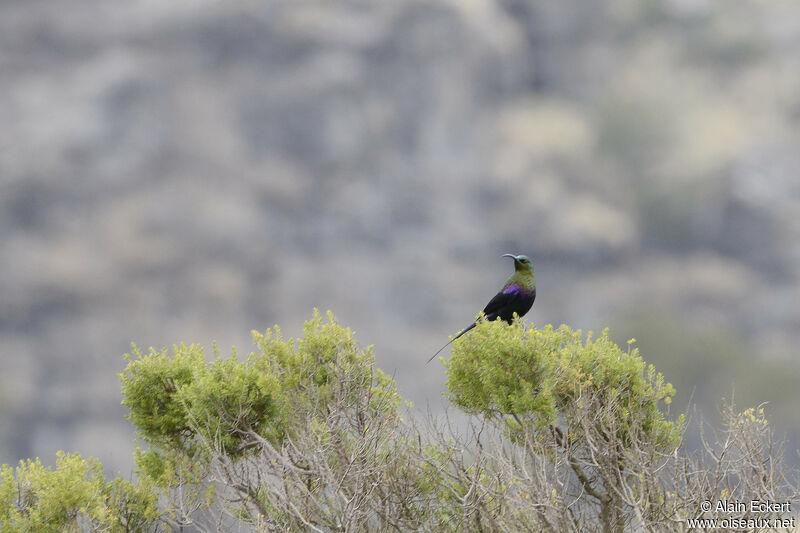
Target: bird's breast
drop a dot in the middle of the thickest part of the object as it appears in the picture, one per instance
(512, 288)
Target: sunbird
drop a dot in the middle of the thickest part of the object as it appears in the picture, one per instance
(516, 296)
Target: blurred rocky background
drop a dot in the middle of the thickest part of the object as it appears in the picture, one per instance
(187, 171)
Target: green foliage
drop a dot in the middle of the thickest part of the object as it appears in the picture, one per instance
(507, 371)
(568, 432)
(228, 398)
(74, 496)
(319, 397)
(179, 404)
(314, 371)
(583, 410)
(150, 386)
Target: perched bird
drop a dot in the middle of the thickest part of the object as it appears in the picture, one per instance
(516, 296)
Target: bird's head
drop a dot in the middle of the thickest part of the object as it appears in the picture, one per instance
(521, 262)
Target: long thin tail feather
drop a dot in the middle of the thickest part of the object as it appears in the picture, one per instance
(451, 340)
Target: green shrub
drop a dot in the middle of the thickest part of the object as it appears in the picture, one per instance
(564, 432)
(551, 374)
(75, 496)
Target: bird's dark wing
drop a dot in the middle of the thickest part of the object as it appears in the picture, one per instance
(500, 303)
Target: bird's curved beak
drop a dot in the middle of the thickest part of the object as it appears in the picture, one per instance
(512, 256)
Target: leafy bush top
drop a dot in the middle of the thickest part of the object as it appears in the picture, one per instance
(549, 374)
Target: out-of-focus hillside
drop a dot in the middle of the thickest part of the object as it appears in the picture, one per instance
(189, 171)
